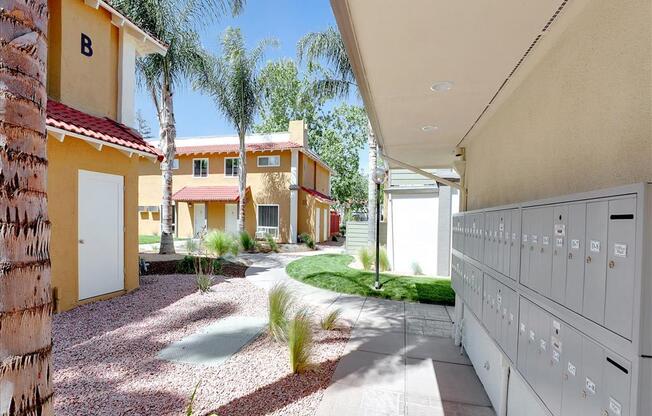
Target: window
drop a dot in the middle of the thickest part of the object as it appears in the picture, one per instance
(269, 161)
(175, 164)
(200, 168)
(267, 221)
(231, 165)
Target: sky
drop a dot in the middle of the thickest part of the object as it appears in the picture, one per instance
(284, 20)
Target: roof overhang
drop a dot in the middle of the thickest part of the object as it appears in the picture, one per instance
(399, 50)
(147, 44)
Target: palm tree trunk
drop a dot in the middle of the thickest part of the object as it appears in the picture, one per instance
(25, 296)
(242, 183)
(168, 136)
(371, 201)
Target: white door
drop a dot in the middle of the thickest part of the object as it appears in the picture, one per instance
(231, 218)
(317, 225)
(326, 224)
(100, 233)
(200, 218)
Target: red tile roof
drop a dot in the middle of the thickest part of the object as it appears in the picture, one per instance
(318, 194)
(207, 193)
(234, 148)
(104, 129)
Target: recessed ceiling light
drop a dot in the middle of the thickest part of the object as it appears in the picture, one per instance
(442, 86)
(429, 128)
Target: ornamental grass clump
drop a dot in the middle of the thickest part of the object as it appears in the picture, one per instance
(383, 260)
(204, 283)
(331, 320)
(247, 242)
(307, 240)
(218, 242)
(299, 338)
(416, 269)
(272, 243)
(279, 302)
(366, 257)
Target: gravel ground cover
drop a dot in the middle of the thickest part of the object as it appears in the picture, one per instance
(105, 356)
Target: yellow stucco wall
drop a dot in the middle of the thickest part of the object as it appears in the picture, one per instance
(308, 204)
(87, 83)
(65, 161)
(580, 120)
(269, 185)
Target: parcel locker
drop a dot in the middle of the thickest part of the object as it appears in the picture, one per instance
(526, 246)
(595, 269)
(523, 335)
(538, 361)
(509, 322)
(572, 400)
(551, 375)
(621, 269)
(541, 267)
(559, 252)
(576, 232)
(514, 244)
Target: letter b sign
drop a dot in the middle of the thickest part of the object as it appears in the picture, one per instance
(86, 45)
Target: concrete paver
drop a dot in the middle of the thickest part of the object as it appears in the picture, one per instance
(400, 359)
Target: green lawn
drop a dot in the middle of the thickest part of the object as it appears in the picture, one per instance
(149, 239)
(331, 271)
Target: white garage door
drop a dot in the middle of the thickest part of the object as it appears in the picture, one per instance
(100, 234)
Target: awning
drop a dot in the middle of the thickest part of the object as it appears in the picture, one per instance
(323, 198)
(207, 194)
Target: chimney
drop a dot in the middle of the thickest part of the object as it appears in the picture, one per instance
(298, 133)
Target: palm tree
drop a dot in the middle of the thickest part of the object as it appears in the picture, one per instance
(233, 82)
(337, 82)
(25, 296)
(175, 23)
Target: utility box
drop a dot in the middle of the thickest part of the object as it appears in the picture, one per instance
(563, 286)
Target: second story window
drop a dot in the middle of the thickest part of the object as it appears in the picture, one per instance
(269, 161)
(200, 168)
(231, 165)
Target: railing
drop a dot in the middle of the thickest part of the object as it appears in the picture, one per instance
(261, 232)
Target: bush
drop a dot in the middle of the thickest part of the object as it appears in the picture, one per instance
(247, 242)
(416, 269)
(235, 248)
(204, 283)
(218, 242)
(366, 257)
(188, 265)
(192, 246)
(272, 243)
(307, 240)
(330, 321)
(279, 302)
(299, 336)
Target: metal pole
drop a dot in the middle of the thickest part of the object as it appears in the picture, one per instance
(377, 283)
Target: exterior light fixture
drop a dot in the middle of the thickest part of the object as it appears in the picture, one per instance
(378, 176)
(442, 86)
(429, 128)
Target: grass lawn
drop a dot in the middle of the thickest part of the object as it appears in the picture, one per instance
(149, 239)
(332, 272)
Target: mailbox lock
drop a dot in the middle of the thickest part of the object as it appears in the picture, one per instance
(531, 248)
(570, 256)
(612, 264)
(588, 259)
(583, 394)
(542, 249)
(604, 413)
(565, 376)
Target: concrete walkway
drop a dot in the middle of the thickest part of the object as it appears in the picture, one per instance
(400, 359)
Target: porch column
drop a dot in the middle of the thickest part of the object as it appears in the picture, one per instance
(294, 196)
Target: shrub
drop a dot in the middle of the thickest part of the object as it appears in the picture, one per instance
(204, 283)
(299, 336)
(247, 242)
(365, 255)
(188, 265)
(416, 269)
(192, 246)
(218, 242)
(272, 243)
(330, 321)
(235, 248)
(383, 260)
(307, 240)
(279, 303)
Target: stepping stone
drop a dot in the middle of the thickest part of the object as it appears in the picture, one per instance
(215, 343)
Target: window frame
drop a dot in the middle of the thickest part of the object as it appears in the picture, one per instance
(175, 164)
(278, 221)
(193, 167)
(278, 157)
(231, 175)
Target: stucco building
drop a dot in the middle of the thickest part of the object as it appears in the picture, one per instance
(288, 187)
(93, 152)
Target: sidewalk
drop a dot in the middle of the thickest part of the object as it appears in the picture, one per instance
(400, 359)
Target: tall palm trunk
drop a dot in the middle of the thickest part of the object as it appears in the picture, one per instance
(25, 297)
(242, 182)
(168, 136)
(371, 201)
